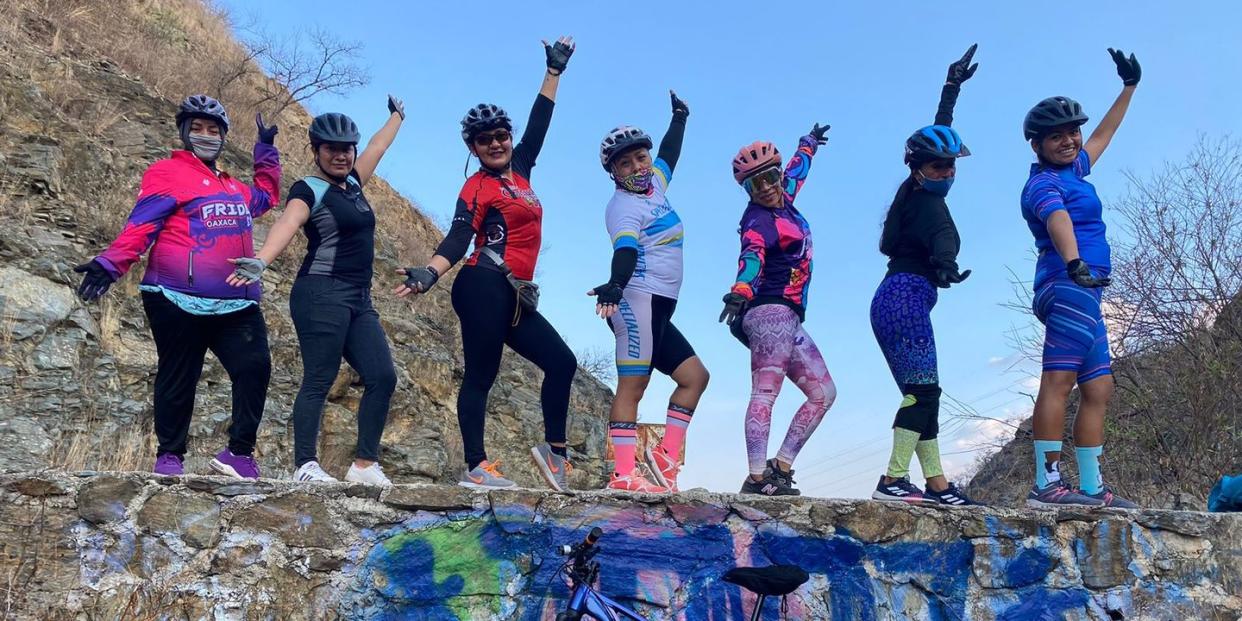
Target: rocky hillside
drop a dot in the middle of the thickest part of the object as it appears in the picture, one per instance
(87, 96)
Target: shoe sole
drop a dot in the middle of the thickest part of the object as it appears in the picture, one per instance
(1031, 503)
(544, 469)
(482, 486)
(227, 470)
(921, 500)
(375, 484)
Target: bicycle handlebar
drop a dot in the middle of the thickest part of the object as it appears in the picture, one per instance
(581, 551)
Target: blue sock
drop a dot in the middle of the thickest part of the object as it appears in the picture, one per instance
(1046, 472)
(1089, 478)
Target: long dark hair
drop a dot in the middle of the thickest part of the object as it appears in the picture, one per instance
(892, 221)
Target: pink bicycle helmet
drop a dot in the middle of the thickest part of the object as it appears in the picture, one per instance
(753, 158)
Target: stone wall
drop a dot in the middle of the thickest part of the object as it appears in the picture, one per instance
(130, 546)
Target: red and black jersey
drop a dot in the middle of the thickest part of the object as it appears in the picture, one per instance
(503, 213)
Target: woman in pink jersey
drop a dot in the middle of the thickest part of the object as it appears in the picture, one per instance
(193, 218)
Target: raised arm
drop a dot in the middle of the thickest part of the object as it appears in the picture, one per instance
(526, 151)
(265, 190)
(370, 157)
(670, 145)
(1130, 72)
(959, 71)
(799, 165)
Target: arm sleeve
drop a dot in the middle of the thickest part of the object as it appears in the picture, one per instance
(265, 192)
(156, 202)
(466, 222)
(750, 260)
(670, 145)
(527, 150)
(948, 99)
(799, 166)
(938, 233)
(624, 260)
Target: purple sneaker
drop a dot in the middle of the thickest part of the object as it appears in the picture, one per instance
(168, 465)
(236, 466)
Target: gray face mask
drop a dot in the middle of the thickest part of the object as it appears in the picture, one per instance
(206, 148)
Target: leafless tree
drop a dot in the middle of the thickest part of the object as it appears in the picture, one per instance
(304, 65)
(599, 362)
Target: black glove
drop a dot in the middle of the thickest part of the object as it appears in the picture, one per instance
(947, 274)
(1080, 273)
(267, 135)
(1127, 68)
(733, 305)
(608, 293)
(820, 133)
(96, 281)
(680, 109)
(558, 54)
(396, 106)
(420, 279)
(961, 70)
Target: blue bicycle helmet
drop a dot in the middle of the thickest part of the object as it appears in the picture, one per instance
(934, 142)
(203, 107)
(334, 127)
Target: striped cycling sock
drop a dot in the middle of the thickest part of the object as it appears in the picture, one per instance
(675, 429)
(624, 437)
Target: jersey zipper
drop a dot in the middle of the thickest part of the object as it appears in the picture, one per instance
(191, 268)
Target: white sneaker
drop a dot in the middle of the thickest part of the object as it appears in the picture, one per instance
(371, 475)
(310, 471)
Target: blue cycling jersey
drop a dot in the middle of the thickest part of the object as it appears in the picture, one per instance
(1051, 189)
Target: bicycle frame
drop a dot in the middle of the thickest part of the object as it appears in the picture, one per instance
(586, 601)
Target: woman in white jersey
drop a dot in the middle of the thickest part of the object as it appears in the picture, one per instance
(639, 298)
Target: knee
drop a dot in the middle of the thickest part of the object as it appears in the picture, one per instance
(563, 367)
(763, 400)
(1098, 392)
(382, 381)
(696, 382)
(827, 394)
(920, 407)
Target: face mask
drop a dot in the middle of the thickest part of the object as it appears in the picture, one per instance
(939, 187)
(638, 183)
(206, 148)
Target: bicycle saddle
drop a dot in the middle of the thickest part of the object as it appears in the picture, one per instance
(772, 580)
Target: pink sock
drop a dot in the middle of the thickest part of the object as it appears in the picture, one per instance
(675, 429)
(624, 437)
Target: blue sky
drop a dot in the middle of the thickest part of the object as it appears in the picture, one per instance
(769, 72)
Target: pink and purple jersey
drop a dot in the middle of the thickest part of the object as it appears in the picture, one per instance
(775, 262)
(193, 221)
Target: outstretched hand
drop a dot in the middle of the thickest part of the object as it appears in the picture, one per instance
(680, 109)
(417, 280)
(558, 54)
(607, 297)
(820, 133)
(396, 106)
(961, 69)
(1127, 68)
(267, 134)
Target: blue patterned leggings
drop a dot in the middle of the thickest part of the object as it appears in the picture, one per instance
(901, 321)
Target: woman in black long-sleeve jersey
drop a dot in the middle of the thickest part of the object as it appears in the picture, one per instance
(921, 242)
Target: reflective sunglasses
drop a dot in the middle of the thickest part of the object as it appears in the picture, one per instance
(771, 176)
(484, 140)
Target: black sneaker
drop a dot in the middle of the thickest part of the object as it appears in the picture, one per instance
(785, 477)
(900, 490)
(770, 485)
(950, 496)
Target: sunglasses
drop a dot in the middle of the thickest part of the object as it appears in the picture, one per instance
(771, 176)
(484, 140)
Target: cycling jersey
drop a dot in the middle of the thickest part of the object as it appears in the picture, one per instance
(194, 219)
(340, 231)
(648, 224)
(503, 213)
(1049, 190)
(925, 231)
(776, 259)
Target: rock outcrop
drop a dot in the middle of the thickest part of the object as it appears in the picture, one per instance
(105, 546)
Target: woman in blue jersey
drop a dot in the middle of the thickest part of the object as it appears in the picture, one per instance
(639, 298)
(1065, 215)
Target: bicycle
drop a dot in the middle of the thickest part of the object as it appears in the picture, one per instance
(583, 570)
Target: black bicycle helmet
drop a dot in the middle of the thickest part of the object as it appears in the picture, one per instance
(334, 127)
(1052, 112)
(621, 139)
(203, 107)
(934, 142)
(482, 118)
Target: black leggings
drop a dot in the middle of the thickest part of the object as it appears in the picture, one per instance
(239, 341)
(333, 319)
(485, 304)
